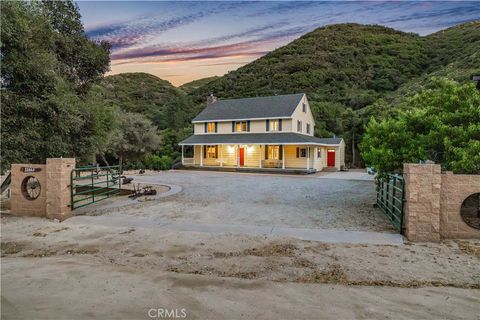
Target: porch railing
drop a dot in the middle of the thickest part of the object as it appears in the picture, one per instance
(188, 161)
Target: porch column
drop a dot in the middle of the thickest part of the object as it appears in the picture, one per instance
(238, 156)
(308, 157)
(183, 162)
(283, 156)
(201, 155)
(221, 155)
(315, 152)
(261, 154)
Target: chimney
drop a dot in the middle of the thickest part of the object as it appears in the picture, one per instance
(211, 99)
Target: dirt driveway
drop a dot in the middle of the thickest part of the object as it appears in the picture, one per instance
(73, 270)
(266, 200)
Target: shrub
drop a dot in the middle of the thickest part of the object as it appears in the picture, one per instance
(154, 162)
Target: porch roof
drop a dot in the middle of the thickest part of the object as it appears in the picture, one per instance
(259, 138)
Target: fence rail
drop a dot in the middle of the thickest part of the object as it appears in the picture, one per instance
(391, 197)
(92, 184)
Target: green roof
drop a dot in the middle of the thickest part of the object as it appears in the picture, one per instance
(251, 108)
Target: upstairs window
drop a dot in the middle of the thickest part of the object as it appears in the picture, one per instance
(299, 126)
(304, 107)
(274, 125)
(241, 126)
(211, 127)
(308, 127)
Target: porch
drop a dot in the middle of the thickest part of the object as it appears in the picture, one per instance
(291, 158)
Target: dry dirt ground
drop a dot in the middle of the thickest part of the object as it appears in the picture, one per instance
(73, 271)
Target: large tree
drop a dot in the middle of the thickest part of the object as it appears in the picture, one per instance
(135, 137)
(47, 66)
(442, 124)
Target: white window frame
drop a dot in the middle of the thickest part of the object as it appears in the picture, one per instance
(210, 127)
(299, 126)
(301, 152)
(274, 125)
(210, 152)
(273, 152)
(242, 124)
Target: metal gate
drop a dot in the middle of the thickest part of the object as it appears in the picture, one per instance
(92, 184)
(391, 197)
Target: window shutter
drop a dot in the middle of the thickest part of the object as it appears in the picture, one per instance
(216, 126)
(280, 125)
(205, 127)
(204, 151)
(298, 152)
(266, 152)
(216, 152)
(233, 126)
(280, 152)
(248, 126)
(267, 125)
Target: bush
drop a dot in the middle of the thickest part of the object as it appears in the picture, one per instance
(133, 165)
(154, 162)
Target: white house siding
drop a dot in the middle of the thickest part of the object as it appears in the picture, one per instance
(291, 160)
(256, 126)
(252, 156)
(305, 117)
(229, 155)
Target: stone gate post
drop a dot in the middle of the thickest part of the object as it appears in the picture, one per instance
(423, 186)
(58, 187)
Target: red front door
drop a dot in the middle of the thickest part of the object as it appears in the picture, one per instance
(242, 156)
(331, 158)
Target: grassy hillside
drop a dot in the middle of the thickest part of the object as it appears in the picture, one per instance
(351, 72)
(349, 64)
(453, 53)
(193, 85)
(165, 105)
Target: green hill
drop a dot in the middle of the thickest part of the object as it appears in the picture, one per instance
(166, 105)
(351, 72)
(195, 84)
(350, 64)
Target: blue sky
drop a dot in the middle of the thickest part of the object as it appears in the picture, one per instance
(181, 41)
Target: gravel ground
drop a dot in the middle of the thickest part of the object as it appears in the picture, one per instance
(271, 200)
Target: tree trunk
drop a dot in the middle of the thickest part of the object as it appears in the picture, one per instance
(104, 159)
(120, 163)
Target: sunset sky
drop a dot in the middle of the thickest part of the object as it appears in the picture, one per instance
(183, 41)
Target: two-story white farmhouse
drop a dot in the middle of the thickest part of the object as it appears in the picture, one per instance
(260, 133)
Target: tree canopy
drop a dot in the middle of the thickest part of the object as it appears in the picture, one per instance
(442, 124)
(47, 65)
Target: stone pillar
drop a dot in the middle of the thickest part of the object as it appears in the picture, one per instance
(58, 187)
(423, 184)
(20, 203)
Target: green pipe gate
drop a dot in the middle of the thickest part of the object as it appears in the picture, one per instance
(91, 184)
(391, 197)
